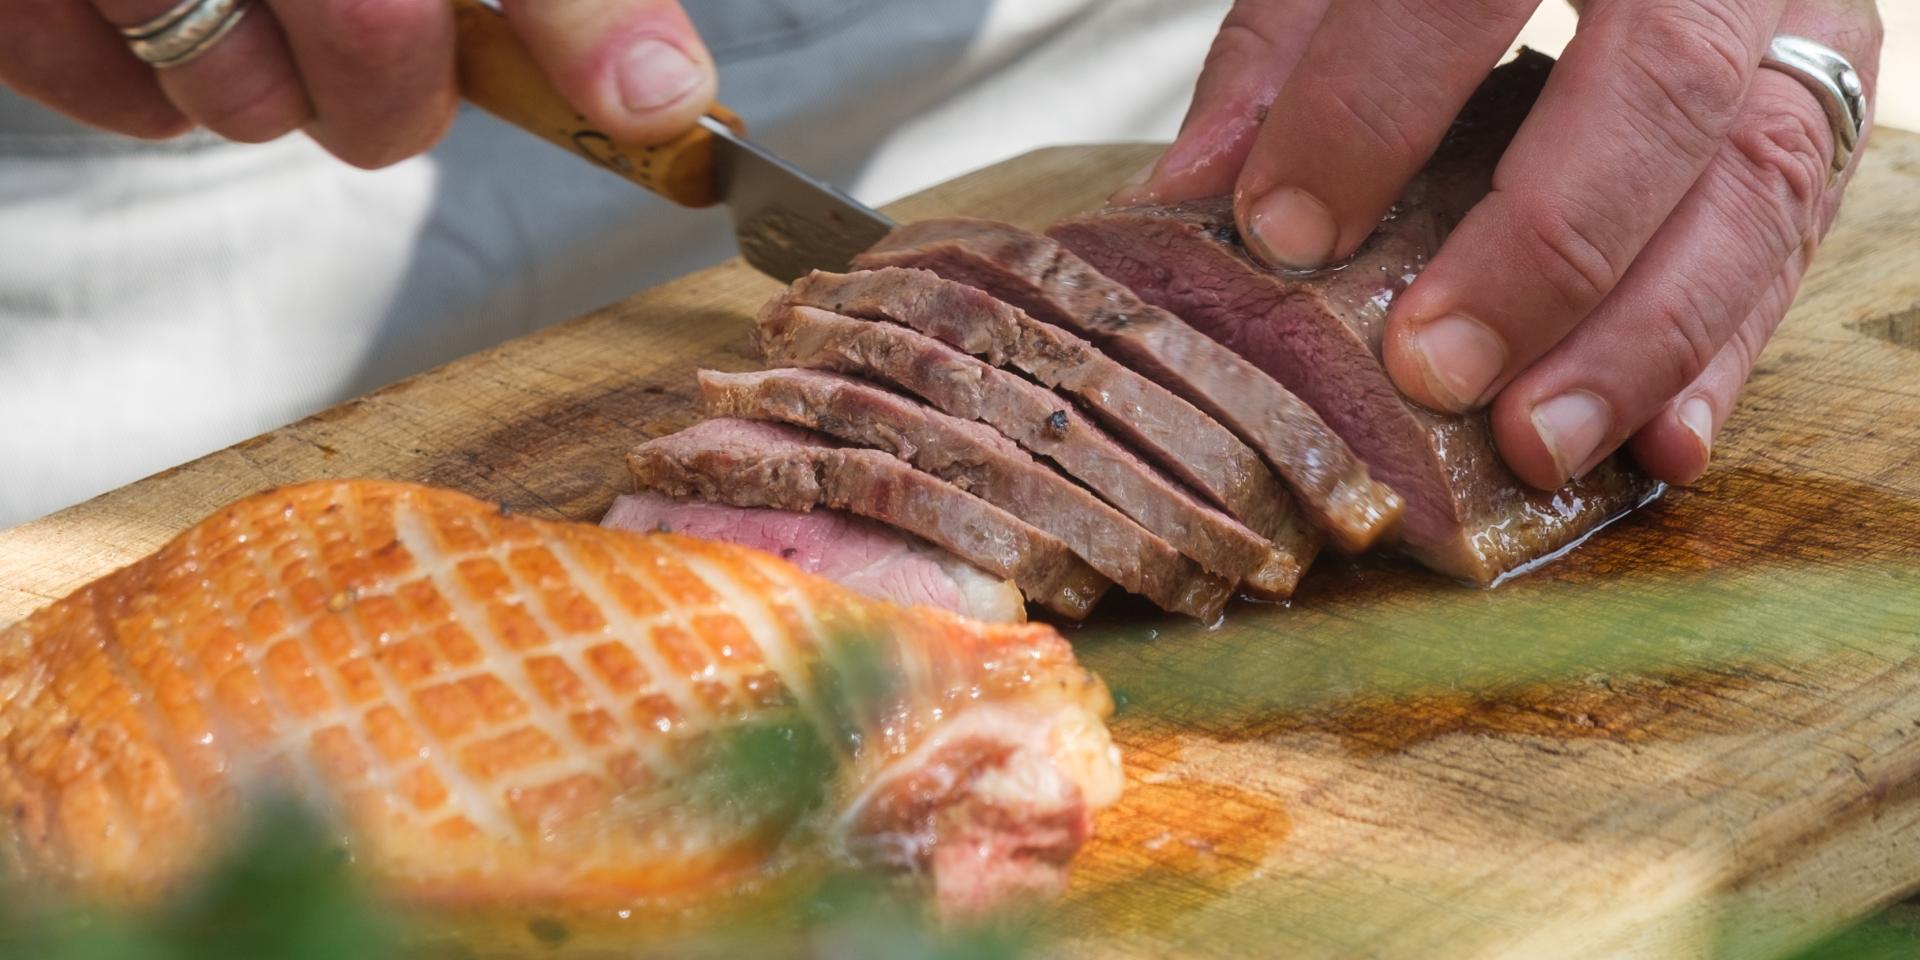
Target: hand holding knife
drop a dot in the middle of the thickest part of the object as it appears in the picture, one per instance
(785, 221)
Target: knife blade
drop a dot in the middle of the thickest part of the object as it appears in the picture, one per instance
(785, 222)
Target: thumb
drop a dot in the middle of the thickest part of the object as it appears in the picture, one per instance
(635, 68)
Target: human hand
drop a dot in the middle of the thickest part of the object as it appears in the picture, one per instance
(1646, 231)
(370, 80)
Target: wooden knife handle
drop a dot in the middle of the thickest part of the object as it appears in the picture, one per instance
(499, 74)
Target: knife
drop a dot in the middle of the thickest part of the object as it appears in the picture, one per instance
(785, 222)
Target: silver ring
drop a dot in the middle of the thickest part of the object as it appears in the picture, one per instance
(1834, 82)
(187, 30)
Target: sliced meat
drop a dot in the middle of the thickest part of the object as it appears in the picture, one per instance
(1039, 420)
(977, 459)
(1169, 431)
(1035, 274)
(863, 556)
(1320, 335)
(749, 464)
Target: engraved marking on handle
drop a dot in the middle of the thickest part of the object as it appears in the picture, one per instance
(498, 74)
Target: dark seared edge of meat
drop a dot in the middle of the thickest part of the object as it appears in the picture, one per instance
(1039, 420)
(1319, 334)
(1034, 273)
(751, 464)
(1166, 429)
(977, 459)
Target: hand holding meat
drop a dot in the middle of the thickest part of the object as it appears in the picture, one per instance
(1647, 228)
(371, 80)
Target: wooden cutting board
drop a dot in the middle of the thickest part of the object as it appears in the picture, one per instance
(1699, 733)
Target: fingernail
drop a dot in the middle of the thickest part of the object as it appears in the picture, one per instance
(1462, 357)
(1697, 416)
(1130, 191)
(1572, 425)
(654, 74)
(1289, 228)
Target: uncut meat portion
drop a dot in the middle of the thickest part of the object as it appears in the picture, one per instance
(977, 459)
(499, 710)
(1037, 419)
(1036, 274)
(751, 464)
(869, 558)
(1320, 335)
(1167, 430)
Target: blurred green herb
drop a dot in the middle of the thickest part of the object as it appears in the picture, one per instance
(855, 680)
(285, 890)
(773, 770)
(1433, 635)
(858, 916)
(1881, 937)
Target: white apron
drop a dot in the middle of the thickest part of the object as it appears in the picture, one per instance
(160, 301)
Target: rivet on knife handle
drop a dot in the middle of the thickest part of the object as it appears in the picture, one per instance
(499, 75)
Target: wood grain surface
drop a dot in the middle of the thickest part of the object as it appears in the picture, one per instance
(1697, 735)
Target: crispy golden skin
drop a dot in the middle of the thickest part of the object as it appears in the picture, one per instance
(501, 708)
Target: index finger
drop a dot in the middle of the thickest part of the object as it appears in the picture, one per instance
(1379, 85)
(1257, 46)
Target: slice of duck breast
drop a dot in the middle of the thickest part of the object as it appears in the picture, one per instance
(1165, 429)
(868, 558)
(1033, 273)
(751, 464)
(1039, 420)
(977, 459)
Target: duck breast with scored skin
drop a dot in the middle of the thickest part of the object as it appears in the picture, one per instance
(501, 710)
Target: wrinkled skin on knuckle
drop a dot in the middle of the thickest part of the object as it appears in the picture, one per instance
(1687, 339)
(1384, 139)
(1442, 25)
(1234, 44)
(1693, 75)
(1747, 342)
(1785, 158)
(1255, 48)
(1243, 35)
(1565, 253)
(1756, 218)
